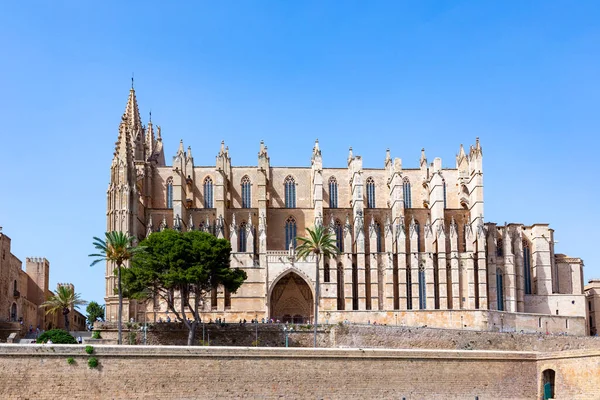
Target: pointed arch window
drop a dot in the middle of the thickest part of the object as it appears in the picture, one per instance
(444, 189)
(246, 192)
(170, 193)
(378, 233)
(407, 193)
(339, 235)
(527, 266)
(500, 248)
(418, 232)
(422, 288)
(242, 236)
(208, 192)
(500, 289)
(370, 193)
(290, 232)
(290, 192)
(333, 192)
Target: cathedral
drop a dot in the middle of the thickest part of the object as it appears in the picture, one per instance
(415, 246)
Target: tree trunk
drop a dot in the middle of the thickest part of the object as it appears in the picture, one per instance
(192, 333)
(66, 315)
(120, 313)
(317, 294)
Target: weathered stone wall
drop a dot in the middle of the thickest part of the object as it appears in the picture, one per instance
(357, 336)
(134, 372)
(577, 373)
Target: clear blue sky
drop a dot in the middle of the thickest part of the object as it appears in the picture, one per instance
(521, 75)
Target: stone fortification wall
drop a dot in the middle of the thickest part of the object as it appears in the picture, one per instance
(577, 373)
(357, 336)
(140, 372)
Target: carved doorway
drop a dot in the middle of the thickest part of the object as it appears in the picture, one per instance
(292, 300)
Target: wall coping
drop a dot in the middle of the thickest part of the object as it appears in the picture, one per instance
(61, 350)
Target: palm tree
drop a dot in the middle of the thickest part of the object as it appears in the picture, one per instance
(117, 248)
(64, 300)
(321, 243)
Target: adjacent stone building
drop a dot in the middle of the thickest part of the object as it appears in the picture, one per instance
(23, 292)
(415, 247)
(592, 294)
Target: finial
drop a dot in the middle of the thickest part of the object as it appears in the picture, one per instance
(132, 80)
(150, 116)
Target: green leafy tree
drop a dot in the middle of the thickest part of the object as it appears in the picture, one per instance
(63, 301)
(190, 264)
(116, 248)
(94, 312)
(320, 243)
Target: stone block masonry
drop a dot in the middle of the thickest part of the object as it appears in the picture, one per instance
(178, 372)
(175, 372)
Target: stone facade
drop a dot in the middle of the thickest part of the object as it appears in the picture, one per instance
(22, 292)
(411, 239)
(272, 373)
(592, 294)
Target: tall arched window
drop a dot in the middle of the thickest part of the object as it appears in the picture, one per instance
(378, 233)
(242, 236)
(246, 192)
(339, 235)
(527, 266)
(333, 193)
(326, 273)
(444, 188)
(290, 232)
(500, 289)
(500, 248)
(422, 288)
(407, 194)
(370, 193)
(208, 192)
(418, 231)
(170, 193)
(290, 192)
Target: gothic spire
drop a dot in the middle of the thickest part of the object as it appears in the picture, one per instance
(423, 160)
(131, 115)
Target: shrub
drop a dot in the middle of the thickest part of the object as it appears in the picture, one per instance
(92, 362)
(132, 337)
(70, 361)
(89, 349)
(96, 335)
(58, 336)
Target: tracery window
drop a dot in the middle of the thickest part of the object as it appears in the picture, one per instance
(370, 193)
(290, 192)
(422, 288)
(246, 192)
(407, 193)
(500, 289)
(527, 266)
(418, 231)
(242, 236)
(208, 192)
(290, 232)
(333, 193)
(339, 235)
(170, 193)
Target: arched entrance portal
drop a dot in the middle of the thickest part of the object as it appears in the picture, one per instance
(292, 300)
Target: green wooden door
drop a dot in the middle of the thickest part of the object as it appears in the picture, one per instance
(547, 391)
